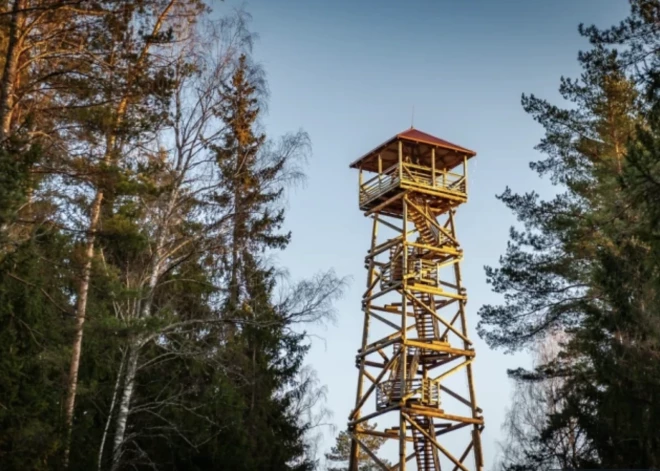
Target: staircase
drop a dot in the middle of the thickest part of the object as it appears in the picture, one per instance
(411, 367)
(428, 232)
(396, 264)
(425, 453)
(423, 227)
(425, 323)
(413, 363)
(395, 373)
(393, 390)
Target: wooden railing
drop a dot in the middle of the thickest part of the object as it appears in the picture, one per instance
(440, 179)
(380, 184)
(412, 174)
(423, 390)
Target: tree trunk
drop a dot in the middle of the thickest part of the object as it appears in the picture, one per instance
(115, 392)
(81, 305)
(134, 350)
(125, 404)
(11, 65)
(81, 310)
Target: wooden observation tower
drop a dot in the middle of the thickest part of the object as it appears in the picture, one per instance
(415, 362)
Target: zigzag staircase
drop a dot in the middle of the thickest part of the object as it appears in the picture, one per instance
(411, 367)
(396, 264)
(425, 452)
(425, 323)
(428, 232)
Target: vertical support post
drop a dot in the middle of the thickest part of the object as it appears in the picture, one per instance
(380, 171)
(404, 334)
(400, 161)
(433, 167)
(360, 189)
(476, 432)
(355, 447)
(465, 175)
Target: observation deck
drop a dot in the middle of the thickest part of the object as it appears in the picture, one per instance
(413, 160)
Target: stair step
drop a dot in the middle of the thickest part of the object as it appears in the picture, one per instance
(424, 451)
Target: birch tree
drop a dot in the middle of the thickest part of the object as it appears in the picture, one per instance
(131, 71)
(534, 402)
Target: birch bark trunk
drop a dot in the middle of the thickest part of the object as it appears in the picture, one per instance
(83, 290)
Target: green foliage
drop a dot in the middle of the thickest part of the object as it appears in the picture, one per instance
(15, 184)
(586, 262)
(192, 355)
(341, 452)
(33, 351)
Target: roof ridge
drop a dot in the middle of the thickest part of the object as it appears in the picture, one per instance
(413, 134)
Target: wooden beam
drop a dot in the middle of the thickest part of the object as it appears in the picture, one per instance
(446, 374)
(435, 315)
(453, 427)
(385, 321)
(440, 348)
(458, 397)
(381, 293)
(372, 388)
(441, 415)
(372, 415)
(370, 453)
(384, 203)
(465, 453)
(435, 442)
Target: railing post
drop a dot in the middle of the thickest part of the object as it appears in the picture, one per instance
(360, 187)
(465, 173)
(400, 161)
(380, 173)
(433, 167)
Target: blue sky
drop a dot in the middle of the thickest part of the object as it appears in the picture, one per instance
(350, 72)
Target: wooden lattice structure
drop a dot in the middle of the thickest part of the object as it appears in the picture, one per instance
(415, 331)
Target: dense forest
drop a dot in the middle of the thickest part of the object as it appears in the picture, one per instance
(143, 323)
(580, 278)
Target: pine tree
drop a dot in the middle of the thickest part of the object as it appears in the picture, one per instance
(584, 263)
(340, 453)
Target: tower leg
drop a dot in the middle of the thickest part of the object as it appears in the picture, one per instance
(355, 447)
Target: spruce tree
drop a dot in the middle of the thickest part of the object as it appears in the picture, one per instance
(584, 262)
(267, 353)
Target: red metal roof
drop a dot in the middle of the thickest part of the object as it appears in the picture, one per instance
(413, 134)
